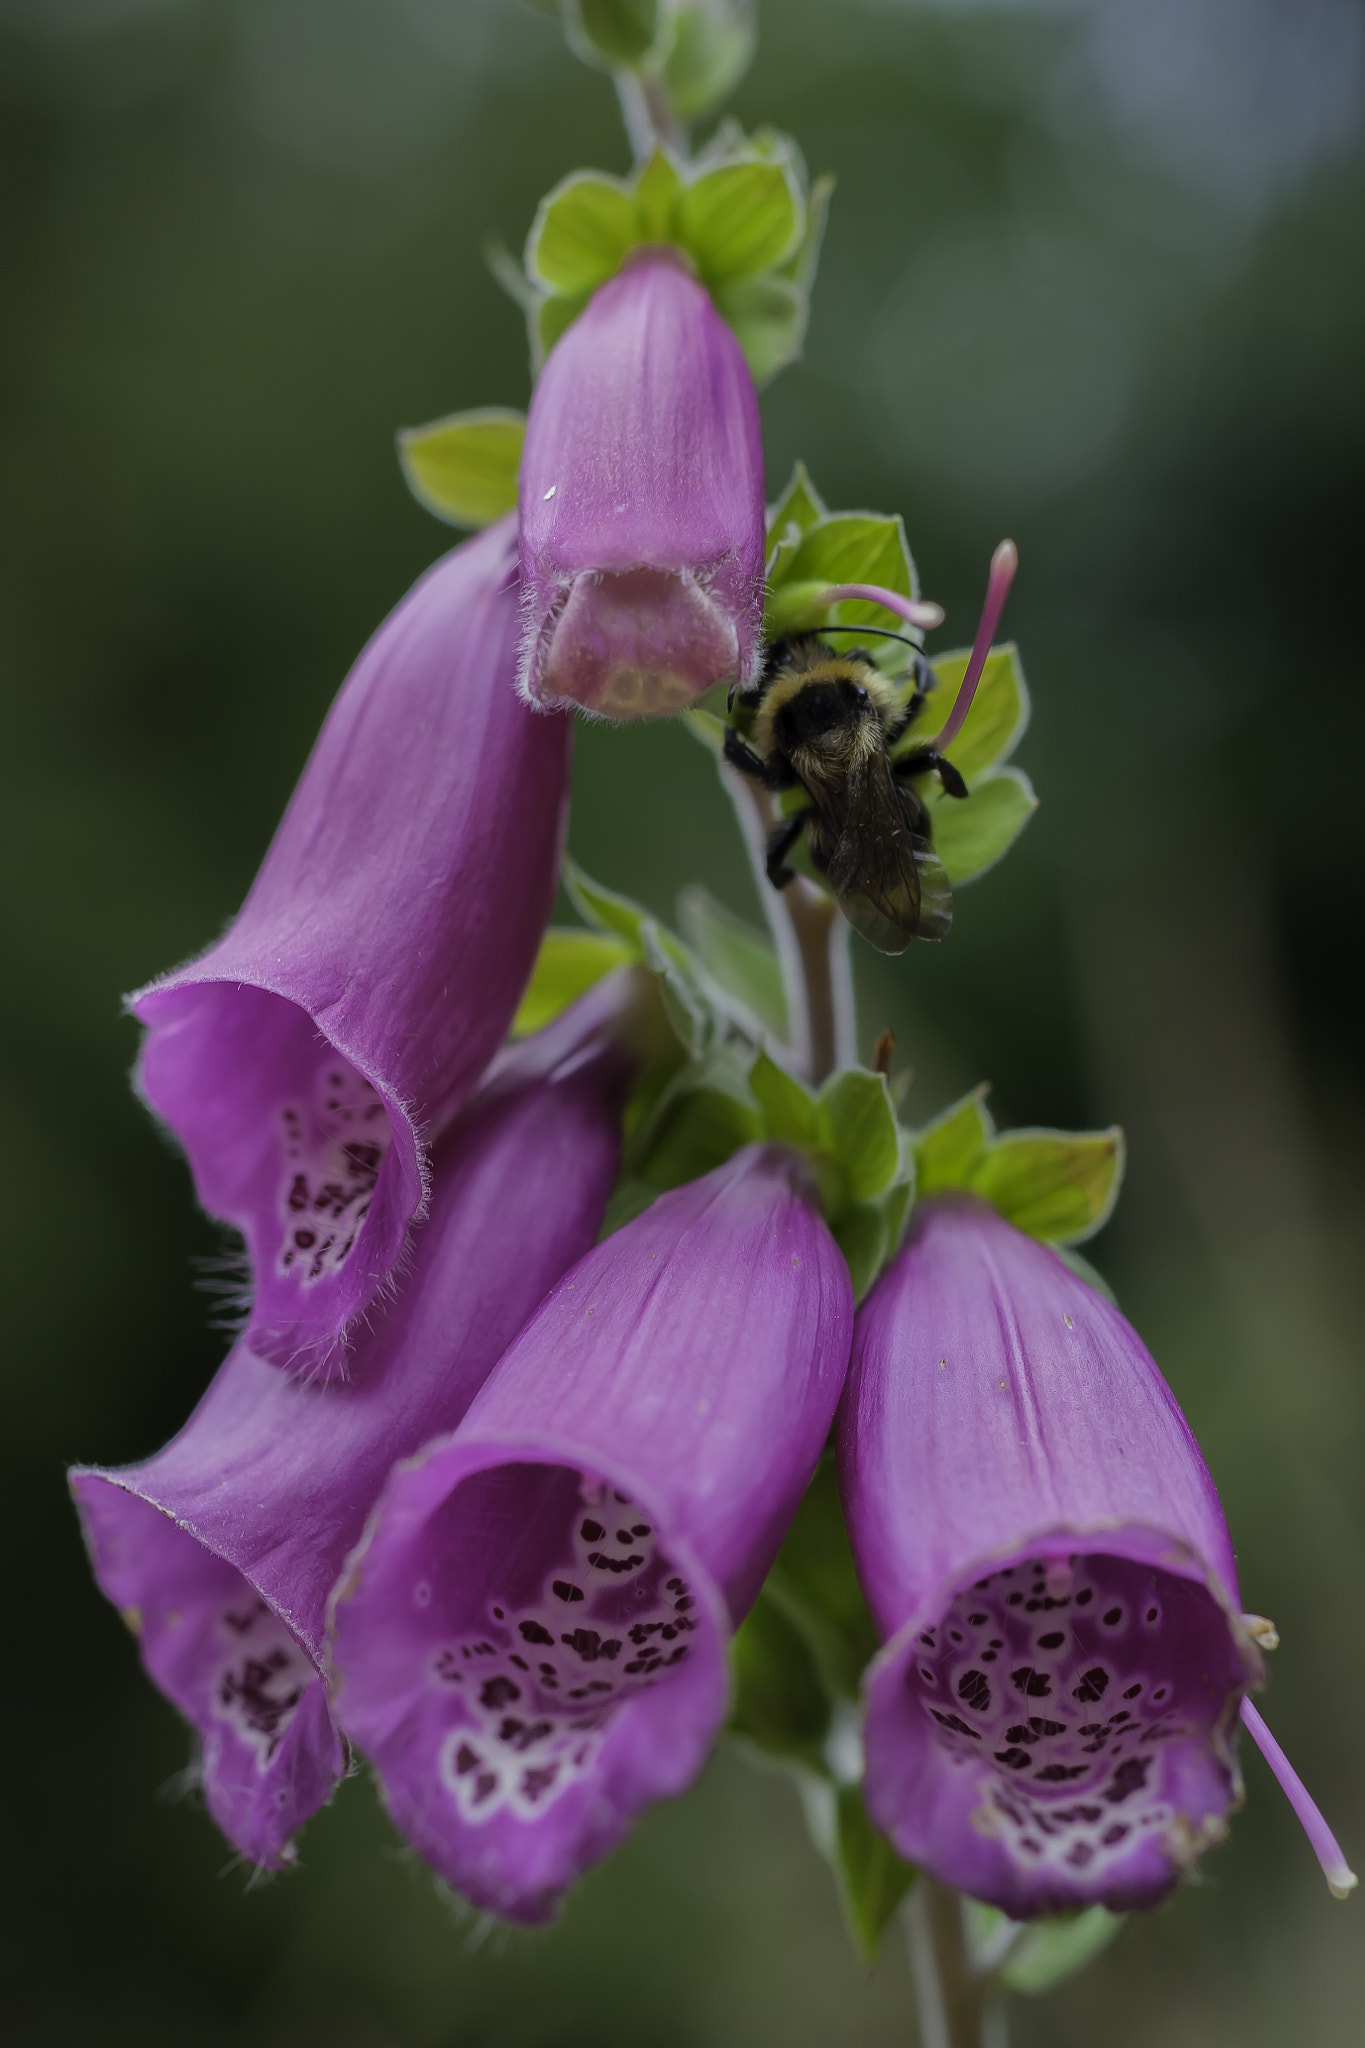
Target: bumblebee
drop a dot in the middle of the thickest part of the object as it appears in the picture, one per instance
(826, 721)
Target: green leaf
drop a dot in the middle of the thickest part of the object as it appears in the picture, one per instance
(972, 833)
(713, 46)
(568, 964)
(947, 1150)
(1055, 1185)
(858, 1125)
(737, 955)
(548, 319)
(464, 467)
(873, 1879)
(740, 218)
(1051, 1950)
(815, 1582)
(612, 34)
(845, 547)
(789, 1107)
(861, 1234)
(800, 506)
(780, 1704)
(996, 721)
(657, 187)
(582, 233)
(768, 317)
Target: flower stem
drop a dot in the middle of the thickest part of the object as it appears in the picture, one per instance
(647, 112)
(811, 937)
(958, 2006)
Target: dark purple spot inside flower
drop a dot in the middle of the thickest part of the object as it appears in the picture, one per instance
(591, 1532)
(1013, 1759)
(534, 1632)
(1113, 1617)
(499, 1692)
(958, 1726)
(1057, 1774)
(1130, 1777)
(1092, 1687)
(564, 1591)
(1132, 1692)
(1041, 1727)
(973, 1689)
(1053, 1641)
(1036, 1684)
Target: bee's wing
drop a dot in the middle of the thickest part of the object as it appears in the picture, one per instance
(890, 884)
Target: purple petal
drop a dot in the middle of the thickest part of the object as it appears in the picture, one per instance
(642, 502)
(531, 1645)
(376, 963)
(222, 1550)
(1052, 1719)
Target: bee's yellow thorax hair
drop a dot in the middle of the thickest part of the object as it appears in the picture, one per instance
(821, 666)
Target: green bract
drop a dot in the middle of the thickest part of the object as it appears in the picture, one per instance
(464, 467)
(613, 34)
(742, 216)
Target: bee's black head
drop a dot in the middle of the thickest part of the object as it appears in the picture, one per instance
(821, 704)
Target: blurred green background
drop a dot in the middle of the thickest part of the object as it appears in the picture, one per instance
(1094, 279)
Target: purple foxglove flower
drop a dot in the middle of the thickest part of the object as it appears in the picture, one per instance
(530, 1644)
(641, 499)
(305, 1060)
(1052, 1720)
(222, 1550)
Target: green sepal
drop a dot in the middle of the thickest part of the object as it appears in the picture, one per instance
(547, 320)
(948, 1149)
(802, 264)
(994, 725)
(734, 953)
(656, 188)
(872, 1878)
(839, 547)
(1050, 1950)
(613, 35)
(1054, 1185)
(582, 233)
(972, 833)
(857, 1124)
(787, 1103)
(768, 315)
(860, 1231)
(701, 1119)
(712, 48)
(569, 963)
(740, 218)
(779, 1702)
(1058, 1186)
(464, 467)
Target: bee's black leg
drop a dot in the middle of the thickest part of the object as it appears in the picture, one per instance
(924, 759)
(779, 846)
(743, 757)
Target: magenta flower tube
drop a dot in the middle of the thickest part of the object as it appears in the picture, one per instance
(222, 1550)
(1052, 1720)
(641, 497)
(530, 1644)
(306, 1059)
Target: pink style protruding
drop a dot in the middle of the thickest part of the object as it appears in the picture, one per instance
(1004, 562)
(916, 611)
(1341, 1879)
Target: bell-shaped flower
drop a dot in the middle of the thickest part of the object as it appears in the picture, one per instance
(530, 1645)
(305, 1059)
(641, 501)
(1052, 1720)
(222, 1550)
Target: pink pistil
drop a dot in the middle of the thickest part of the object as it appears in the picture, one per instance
(1004, 562)
(915, 611)
(1341, 1879)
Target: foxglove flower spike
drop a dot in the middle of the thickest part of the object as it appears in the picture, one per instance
(305, 1061)
(222, 1550)
(1051, 1722)
(1341, 1879)
(530, 1642)
(642, 502)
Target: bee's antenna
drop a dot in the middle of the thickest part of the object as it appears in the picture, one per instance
(1004, 562)
(882, 632)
